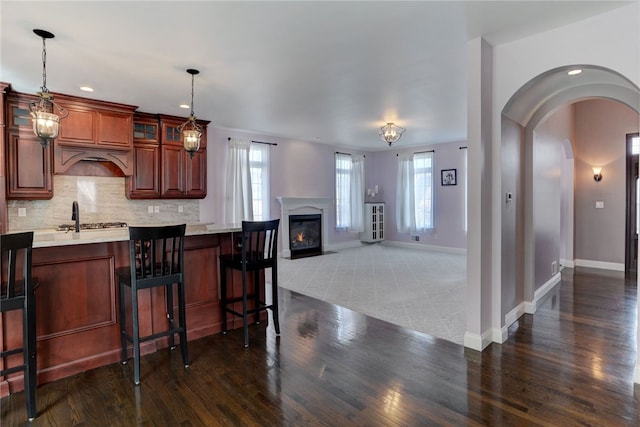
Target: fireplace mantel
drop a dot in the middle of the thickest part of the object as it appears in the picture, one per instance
(302, 205)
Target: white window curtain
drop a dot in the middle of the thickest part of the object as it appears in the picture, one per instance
(423, 187)
(343, 191)
(357, 194)
(405, 196)
(259, 164)
(238, 199)
(414, 193)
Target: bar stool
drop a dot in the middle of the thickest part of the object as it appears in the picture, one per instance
(259, 251)
(156, 258)
(18, 294)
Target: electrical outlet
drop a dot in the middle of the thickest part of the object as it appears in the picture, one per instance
(554, 267)
(150, 209)
(156, 209)
(180, 209)
(415, 238)
(22, 211)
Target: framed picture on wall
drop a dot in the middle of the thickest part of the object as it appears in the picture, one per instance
(448, 176)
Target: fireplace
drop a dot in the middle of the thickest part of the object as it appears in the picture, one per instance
(303, 206)
(305, 235)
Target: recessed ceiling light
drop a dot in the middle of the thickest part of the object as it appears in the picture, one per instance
(86, 88)
(574, 72)
(185, 106)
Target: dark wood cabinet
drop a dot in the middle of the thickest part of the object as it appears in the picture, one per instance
(145, 181)
(162, 169)
(146, 148)
(3, 170)
(182, 177)
(76, 303)
(94, 130)
(29, 167)
(29, 164)
(93, 123)
(173, 175)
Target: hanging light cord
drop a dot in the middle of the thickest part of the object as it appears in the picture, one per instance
(44, 66)
(192, 113)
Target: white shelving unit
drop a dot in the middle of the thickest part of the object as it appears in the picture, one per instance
(374, 223)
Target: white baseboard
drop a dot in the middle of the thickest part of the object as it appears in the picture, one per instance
(567, 263)
(636, 374)
(478, 342)
(544, 289)
(514, 314)
(433, 248)
(530, 307)
(500, 335)
(615, 266)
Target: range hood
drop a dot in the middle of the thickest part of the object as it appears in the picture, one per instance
(66, 156)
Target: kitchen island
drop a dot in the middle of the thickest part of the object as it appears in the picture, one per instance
(76, 299)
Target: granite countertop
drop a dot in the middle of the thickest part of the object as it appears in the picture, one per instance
(51, 238)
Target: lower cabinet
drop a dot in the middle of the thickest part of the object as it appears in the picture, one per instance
(374, 223)
(77, 305)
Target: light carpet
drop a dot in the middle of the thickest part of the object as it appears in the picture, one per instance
(418, 289)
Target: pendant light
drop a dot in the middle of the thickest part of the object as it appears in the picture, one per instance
(390, 133)
(190, 130)
(46, 123)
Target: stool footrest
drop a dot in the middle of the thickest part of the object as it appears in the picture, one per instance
(13, 369)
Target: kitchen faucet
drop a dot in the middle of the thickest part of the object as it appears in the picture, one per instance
(75, 215)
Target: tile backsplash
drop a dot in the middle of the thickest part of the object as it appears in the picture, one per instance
(101, 199)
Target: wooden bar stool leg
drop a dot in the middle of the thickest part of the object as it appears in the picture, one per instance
(30, 380)
(136, 336)
(245, 317)
(256, 295)
(123, 324)
(223, 295)
(170, 320)
(274, 299)
(183, 325)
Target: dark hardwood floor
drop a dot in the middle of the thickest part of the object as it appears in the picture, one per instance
(569, 364)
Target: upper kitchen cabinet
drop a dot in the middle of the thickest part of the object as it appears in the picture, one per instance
(94, 123)
(182, 177)
(145, 181)
(29, 172)
(3, 180)
(94, 130)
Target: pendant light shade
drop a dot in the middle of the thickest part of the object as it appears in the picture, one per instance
(45, 113)
(191, 131)
(390, 133)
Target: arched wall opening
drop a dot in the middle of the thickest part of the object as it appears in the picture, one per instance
(522, 120)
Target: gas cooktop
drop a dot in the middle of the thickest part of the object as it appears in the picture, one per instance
(92, 226)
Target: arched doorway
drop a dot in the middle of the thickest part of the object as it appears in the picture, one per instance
(525, 111)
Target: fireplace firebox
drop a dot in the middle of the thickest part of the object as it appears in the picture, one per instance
(305, 235)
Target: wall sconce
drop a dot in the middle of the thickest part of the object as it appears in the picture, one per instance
(597, 174)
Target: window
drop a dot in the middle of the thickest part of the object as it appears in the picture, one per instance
(423, 184)
(466, 190)
(343, 185)
(414, 196)
(259, 167)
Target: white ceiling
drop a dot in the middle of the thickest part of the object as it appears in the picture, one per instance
(332, 72)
